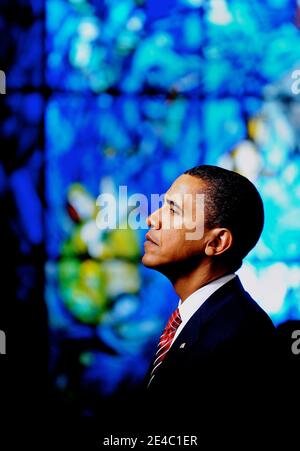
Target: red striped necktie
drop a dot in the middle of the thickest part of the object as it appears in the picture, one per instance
(165, 341)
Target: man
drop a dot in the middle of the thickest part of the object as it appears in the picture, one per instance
(214, 361)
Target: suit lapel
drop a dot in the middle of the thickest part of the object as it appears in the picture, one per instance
(207, 311)
(193, 328)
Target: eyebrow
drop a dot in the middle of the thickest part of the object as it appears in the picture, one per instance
(173, 203)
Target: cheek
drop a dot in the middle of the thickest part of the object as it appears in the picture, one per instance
(179, 247)
(173, 242)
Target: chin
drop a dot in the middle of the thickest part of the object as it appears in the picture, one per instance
(151, 263)
(148, 261)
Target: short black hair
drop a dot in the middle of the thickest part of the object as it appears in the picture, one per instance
(233, 202)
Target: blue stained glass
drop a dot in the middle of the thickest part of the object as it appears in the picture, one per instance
(176, 85)
(29, 206)
(24, 43)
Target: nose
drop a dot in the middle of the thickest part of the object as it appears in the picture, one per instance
(154, 220)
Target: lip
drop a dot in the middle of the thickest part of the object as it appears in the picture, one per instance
(149, 238)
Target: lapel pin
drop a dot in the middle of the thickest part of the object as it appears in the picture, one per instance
(182, 346)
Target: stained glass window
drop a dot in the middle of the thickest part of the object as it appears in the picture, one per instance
(133, 93)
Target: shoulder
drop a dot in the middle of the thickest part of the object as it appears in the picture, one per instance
(233, 316)
(241, 310)
(247, 314)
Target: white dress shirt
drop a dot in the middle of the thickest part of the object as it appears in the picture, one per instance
(196, 299)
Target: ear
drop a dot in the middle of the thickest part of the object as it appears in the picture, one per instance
(219, 241)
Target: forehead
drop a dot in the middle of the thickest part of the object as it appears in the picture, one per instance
(186, 184)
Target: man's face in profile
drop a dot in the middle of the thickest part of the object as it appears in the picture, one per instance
(177, 227)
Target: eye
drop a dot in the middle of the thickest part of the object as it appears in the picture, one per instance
(172, 210)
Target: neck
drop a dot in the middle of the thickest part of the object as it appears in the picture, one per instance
(186, 284)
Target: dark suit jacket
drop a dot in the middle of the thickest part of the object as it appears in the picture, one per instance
(224, 370)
